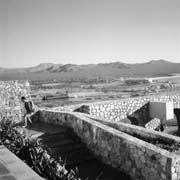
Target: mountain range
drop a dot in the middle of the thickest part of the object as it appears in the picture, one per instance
(49, 71)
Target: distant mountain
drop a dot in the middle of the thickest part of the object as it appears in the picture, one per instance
(113, 70)
(40, 67)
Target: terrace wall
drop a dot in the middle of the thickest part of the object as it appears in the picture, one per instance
(140, 159)
(117, 110)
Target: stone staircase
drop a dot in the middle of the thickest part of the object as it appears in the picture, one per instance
(63, 142)
(68, 146)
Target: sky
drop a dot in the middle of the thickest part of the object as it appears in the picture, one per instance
(88, 31)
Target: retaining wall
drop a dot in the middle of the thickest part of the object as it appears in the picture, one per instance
(140, 159)
(116, 110)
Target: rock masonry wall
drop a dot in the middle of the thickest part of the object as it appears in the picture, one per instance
(117, 110)
(10, 95)
(139, 159)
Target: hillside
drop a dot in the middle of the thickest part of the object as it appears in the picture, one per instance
(72, 71)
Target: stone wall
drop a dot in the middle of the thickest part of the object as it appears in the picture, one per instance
(116, 110)
(139, 131)
(140, 159)
(10, 95)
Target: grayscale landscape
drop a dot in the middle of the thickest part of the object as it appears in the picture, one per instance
(89, 90)
(73, 84)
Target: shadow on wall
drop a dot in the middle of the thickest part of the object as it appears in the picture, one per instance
(177, 114)
(139, 117)
(83, 109)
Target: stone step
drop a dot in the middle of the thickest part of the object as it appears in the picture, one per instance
(75, 153)
(55, 144)
(70, 148)
(58, 137)
(78, 158)
(67, 148)
(60, 131)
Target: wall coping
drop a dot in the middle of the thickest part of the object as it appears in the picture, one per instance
(140, 128)
(152, 98)
(149, 98)
(133, 140)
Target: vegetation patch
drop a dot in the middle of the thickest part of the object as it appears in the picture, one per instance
(34, 153)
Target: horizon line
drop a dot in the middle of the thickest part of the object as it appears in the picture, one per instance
(88, 63)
